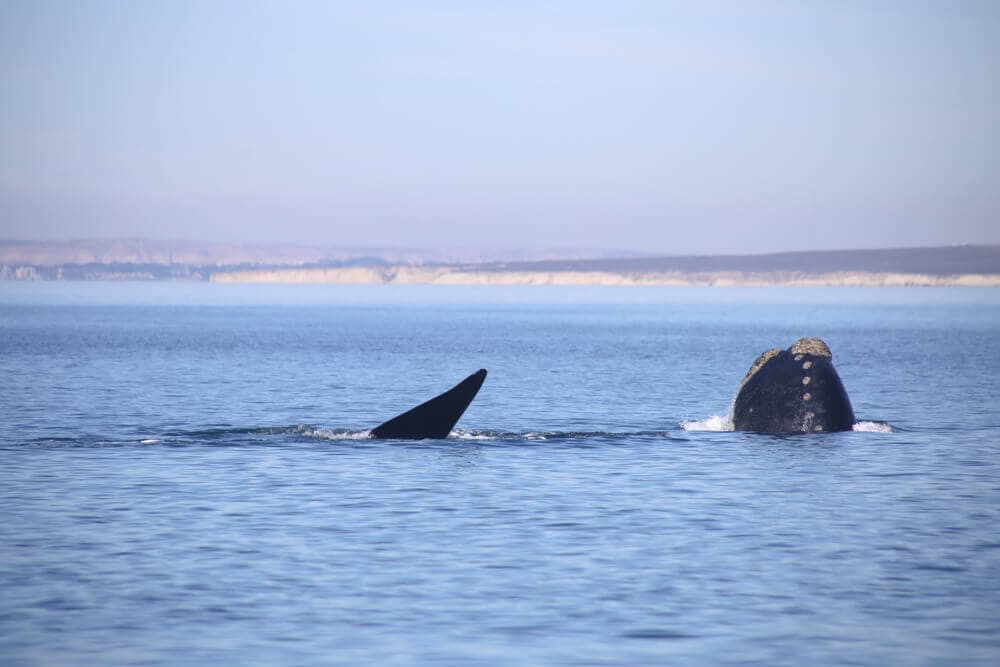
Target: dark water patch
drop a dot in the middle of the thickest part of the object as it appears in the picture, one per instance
(937, 567)
(654, 633)
(889, 475)
(299, 433)
(234, 436)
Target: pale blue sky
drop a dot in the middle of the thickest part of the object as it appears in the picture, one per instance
(652, 126)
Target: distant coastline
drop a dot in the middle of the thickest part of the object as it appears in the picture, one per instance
(138, 259)
(448, 276)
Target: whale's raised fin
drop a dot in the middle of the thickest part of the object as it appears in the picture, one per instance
(436, 417)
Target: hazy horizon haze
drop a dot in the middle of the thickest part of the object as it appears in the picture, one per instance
(655, 127)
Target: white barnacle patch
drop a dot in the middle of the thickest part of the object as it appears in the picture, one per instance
(798, 357)
(818, 427)
(807, 396)
(806, 380)
(807, 365)
(813, 346)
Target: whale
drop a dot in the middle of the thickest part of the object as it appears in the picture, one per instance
(433, 419)
(793, 391)
(796, 390)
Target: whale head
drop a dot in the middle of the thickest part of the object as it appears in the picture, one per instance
(793, 391)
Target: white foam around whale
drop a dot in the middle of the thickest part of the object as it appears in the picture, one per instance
(872, 427)
(462, 434)
(328, 434)
(713, 423)
(720, 423)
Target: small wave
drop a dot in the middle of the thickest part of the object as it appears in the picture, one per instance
(534, 436)
(228, 431)
(88, 441)
(464, 434)
(332, 434)
(478, 435)
(713, 423)
(239, 435)
(531, 435)
(298, 429)
(872, 427)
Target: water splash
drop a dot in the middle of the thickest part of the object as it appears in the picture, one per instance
(872, 427)
(463, 434)
(331, 434)
(719, 423)
(713, 423)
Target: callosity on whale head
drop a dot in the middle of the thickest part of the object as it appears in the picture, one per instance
(793, 391)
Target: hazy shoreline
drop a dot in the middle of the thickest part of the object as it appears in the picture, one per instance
(193, 261)
(448, 276)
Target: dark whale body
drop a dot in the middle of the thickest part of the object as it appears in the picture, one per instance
(436, 417)
(785, 391)
(793, 391)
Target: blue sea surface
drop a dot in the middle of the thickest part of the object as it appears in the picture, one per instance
(186, 478)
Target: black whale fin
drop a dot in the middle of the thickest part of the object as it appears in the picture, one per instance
(436, 417)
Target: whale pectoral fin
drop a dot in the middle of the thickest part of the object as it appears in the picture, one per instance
(436, 417)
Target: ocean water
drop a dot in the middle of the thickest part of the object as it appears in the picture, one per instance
(184, 478)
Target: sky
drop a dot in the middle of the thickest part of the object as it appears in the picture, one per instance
(660, 127)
